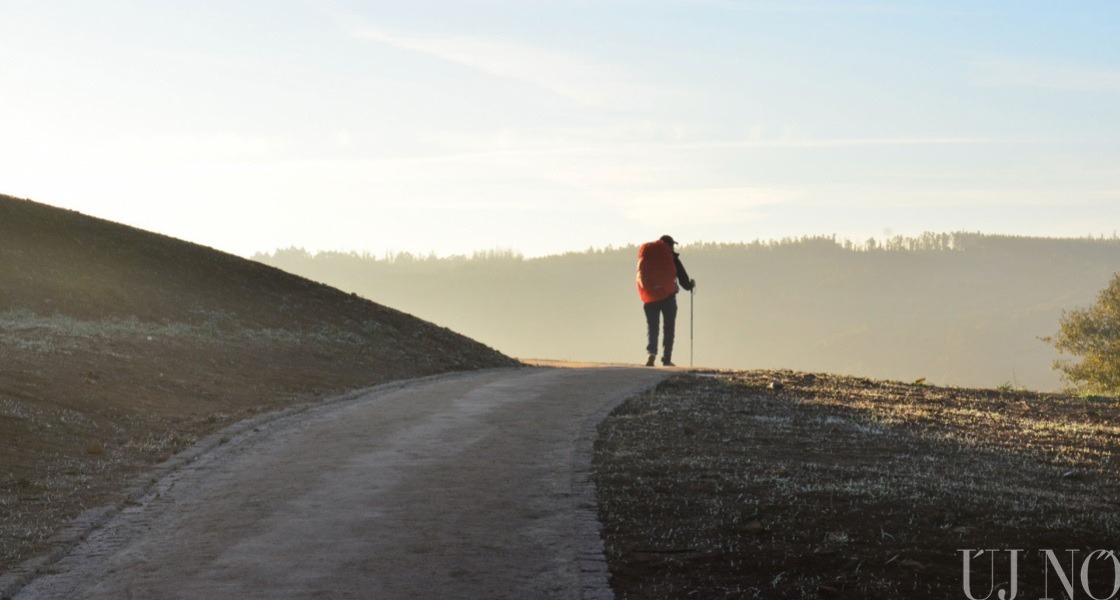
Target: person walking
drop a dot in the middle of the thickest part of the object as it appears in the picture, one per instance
(659, 271)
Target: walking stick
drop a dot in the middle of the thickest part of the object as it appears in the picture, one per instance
(691, 325)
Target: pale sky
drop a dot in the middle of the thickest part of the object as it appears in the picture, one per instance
(545, 126)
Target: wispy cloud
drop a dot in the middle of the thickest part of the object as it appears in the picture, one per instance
(1000, 72)
(705, 206)
(612, 141)
(832, 7)
(213, 145)
(809, 143)
(569, 75)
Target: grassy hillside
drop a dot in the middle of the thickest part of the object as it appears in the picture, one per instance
(119, 347)
(955, 309)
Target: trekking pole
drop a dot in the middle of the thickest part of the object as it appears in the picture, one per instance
(691, 325)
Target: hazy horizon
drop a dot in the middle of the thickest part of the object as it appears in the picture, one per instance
(453, 126)
(956, 309)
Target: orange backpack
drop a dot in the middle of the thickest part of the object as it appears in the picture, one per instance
(657, 273)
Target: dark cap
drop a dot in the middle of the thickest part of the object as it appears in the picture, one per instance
(668, 240)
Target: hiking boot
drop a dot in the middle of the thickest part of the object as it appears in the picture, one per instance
(667, 363)
(649, 361)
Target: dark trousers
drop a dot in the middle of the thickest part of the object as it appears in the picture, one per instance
(654, 313)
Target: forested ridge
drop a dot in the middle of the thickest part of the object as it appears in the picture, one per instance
(954, 308)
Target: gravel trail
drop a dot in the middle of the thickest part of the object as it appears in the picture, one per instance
(464, 486)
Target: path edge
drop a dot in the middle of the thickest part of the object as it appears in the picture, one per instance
(593, 568)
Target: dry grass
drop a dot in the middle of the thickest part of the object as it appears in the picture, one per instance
(719, 486)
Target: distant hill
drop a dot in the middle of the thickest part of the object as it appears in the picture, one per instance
(955, 308)
(119, 347)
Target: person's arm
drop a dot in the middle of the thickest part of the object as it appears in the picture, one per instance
(682, 275)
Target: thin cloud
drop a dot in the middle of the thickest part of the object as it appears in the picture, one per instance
(998, 72)
(843, 142)
(706, 206)
(571, 76)
(481, 147)
(830, 7)
(676, 135)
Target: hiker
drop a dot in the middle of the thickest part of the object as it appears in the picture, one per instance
(659, 270)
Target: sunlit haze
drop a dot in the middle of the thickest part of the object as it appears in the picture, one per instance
(450, 126)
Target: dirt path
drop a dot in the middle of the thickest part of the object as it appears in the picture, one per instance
(468, 486)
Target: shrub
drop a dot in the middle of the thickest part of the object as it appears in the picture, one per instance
(1093, 334)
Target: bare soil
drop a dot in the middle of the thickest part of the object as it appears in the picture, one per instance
(720, 486)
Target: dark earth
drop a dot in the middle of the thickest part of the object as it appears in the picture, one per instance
(769, 484)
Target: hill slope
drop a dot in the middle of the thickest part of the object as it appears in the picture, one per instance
(119, 347)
